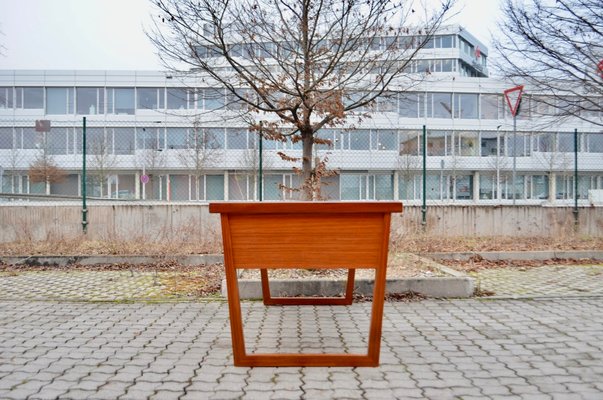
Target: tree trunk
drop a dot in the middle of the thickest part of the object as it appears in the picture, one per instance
(307, 168)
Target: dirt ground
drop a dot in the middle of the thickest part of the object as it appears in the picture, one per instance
(416, 244)
(407, 259)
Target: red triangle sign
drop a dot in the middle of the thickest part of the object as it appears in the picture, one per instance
(513, 97)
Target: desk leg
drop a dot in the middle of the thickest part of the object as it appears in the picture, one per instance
(312, 301)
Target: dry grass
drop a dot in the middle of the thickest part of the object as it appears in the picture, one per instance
(417, 244)
(429, 244)
(109, 247)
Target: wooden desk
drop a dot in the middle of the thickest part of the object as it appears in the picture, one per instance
(314, 235)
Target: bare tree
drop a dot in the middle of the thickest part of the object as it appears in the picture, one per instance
(102, 162)
(15, 158)
(557, 48)
(199, 154)
(298, 65)
(44, 168)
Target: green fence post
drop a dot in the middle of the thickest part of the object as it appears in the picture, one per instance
(576, 178)
(424, 207)
(84, 209)
(260, 161)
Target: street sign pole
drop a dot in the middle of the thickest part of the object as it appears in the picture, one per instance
(513, 97)
(514, 157)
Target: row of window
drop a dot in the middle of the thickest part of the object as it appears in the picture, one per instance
(90, 101)
(285, 50)
(501, 143)
(407, 142)
(347, 186)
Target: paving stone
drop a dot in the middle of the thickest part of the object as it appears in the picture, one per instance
(421, 328)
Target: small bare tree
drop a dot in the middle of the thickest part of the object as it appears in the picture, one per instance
(15, 158)
(557, 48)
(300, 65)
(44, 168)
(199, 154)
(102, 162)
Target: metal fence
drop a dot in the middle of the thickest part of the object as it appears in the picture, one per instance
(168, 160)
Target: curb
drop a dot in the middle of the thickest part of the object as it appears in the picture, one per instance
(61, 261)
(444, 287)
(518, 255)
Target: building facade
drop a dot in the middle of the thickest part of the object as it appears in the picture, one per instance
(157, 136)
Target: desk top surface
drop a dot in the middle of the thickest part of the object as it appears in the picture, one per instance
(314, 207)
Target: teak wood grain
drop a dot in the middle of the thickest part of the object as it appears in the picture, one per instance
(305, 235)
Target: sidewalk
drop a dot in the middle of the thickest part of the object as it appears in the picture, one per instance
(460, 349)
(92, 335)
(126, 285)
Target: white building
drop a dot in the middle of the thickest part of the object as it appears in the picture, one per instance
(143, 125)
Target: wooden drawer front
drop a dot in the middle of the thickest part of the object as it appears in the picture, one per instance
(308, 241)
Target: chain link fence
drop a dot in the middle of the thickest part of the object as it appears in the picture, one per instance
(188, 161)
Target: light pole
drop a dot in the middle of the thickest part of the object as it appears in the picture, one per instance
(498, 197)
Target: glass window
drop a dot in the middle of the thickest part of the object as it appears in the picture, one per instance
(463, 187)
(272, 187)
(6, 97)
(518, 145)
(487, 186)
(387, 102)
(120, 101)
(544, 142)
(408, 105)
(565, 142)
(236, 139)
(90, 101)
(490, 141)
(468, 143)
(595, 142)
(439, 105)
(384, 139)
(124, 140)
(353, 187)
(327, 136)
(176, 138)
(32, 98)
(238, 186)
(357, 140)
(150, 138)
(491, 106)
(539, 188)
(409, 142)
(6, 138)
(446, 41)
(384, 187)
(438, 142)
(150, 98)
(466, 105)
(214, 187)
(28, 138)
(433, 186)
(215, 138)
(214, 99)
(59, 101)
(447, 65)
(177, 99)
(95, 141)
(409, 187)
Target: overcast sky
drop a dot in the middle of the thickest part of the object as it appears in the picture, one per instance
(108, 34)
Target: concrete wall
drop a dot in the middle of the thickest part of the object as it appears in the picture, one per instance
(192, 222)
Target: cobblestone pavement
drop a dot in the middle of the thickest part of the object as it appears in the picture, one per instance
(78, 285)
(85, 285)
(554, 280)
(459, 349)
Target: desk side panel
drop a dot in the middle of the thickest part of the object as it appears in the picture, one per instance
(307, 241)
